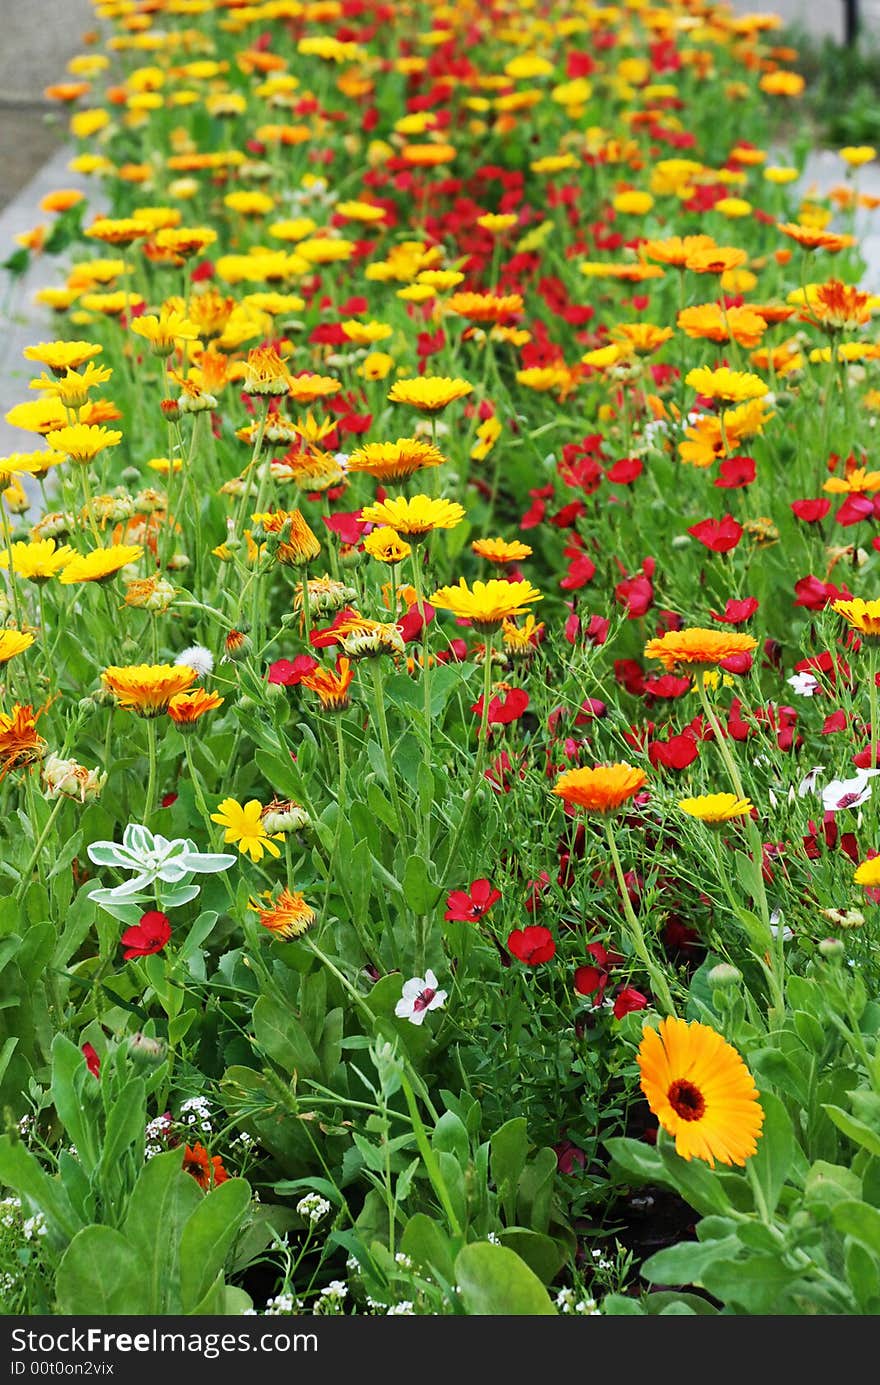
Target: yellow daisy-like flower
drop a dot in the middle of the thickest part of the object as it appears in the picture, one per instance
(13, 642)
(485, 307)
(366, 333)
(863, 616)
(165, 331)
(147, 688)
(716, 807)
(305, 389)
(186, 708)
(501, 550)
(101, 564)
(386, 545)
(868, 873)
(429, 394)
(244, 825)
(72, 388)
(697, 647)
(701, 1092)
(416, 516)
(60, 356)
(82, 442)
(37, 561)
(289, 916)
(27, 464)
(734, 386)
(299, 544)
(394, 461)
(486, 604)
(600, 788)
(265, 373)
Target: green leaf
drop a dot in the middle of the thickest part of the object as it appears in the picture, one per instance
(508, 1150)
(21, 1171)
(863, 1276)
(685, 1263)
(696, 1182)
(125, 1126)
(100, 1275)
(198, 933)
(429, 1247)
(75, 1100)
(163, 1200)
(861, 1222)
(493, 1281)
(535, 1191)
(208, 1237)
(419, 887)
(856, 1130)
(451, 1136)
(541, 1253)
(636, 1160)
(772, 1160)
(280, 1035)
(827, 1184)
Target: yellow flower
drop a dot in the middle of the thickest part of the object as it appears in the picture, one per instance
(486, 604)
(716, 807)
(186, 708)
(633, 202)
(501, 550)
(416, 516)
(60, 356)
(600, 788)
(701, 1092)
(165, 331)
(735, 386)
(428, 394)
(72, 388)
(366, 333)
(27, 464)
(244, 825)
(394, 461)
(100, 565)
(868, 873)
(386, 546)
(37, 561)
(147, 688)
(82, 442)
(376, 365)
(857, 154)
(863, 616)
(287, 917)
(496, 223)
(13, 642)
(697, 647)
(298, 543)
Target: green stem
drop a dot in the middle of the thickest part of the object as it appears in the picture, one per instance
(38, 846)
(385, 739)
(659, 984)
(152, 749)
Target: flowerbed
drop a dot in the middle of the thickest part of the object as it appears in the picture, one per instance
(440, 670)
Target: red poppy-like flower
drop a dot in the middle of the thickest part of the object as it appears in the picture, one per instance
(675, 753)
(814, 594)
(624, 472)
(468, 907)
(503, 711)
(146, 937)
(290, 673)
(810, 511)
(735, 473)
(718, 535)
(592, 980)
(532, 945)
(636, 593)
(627, 1000)
(93, 1062)
(736, 612)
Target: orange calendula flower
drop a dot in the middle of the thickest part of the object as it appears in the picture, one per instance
(331, 686)
(416, 516)
(675, 250)
(701, 1092)
(265, 373)
(186, 708)
(429, 394)
(837, 307)
(20, 744)
(394, 461)
(815, 238)
(60, 356)
(863, 616)
(99, 565)
(501, 550)
(698, 648)
(641, 338)
(386, 545)
(709, 322)
(298, 545)
(732, 386)
(147, 688)
(82, 442)
(715, 259)
(486, 604)
(858, 481)
(485, 307)
(600, 789)
(288, 916)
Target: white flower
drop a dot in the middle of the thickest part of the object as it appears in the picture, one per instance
(804, 684)
(810, 780)
(775, 921)
(150, 858)
(419, 995)
(197, 657)
(848, 793)
(403, 1309)
(313, 1206)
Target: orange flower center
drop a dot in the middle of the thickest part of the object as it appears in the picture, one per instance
(686, 1100)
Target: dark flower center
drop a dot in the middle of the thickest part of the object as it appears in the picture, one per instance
(686, 1100)
(423, 1000)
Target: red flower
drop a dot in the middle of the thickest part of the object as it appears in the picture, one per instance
(291, 673)
(593, 980)
(736, 612)
(467, 908)
(532, 945)
(93, 1062)
(627, 1000)
(636, 593)
(810, 511)
(676, 753)
(502, 711)
(624, 472)
(734, 473)
(146, 937)
(718, 535)
(814, 594)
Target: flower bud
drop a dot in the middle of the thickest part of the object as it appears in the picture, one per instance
(146, 1052)
(832, 949)
(725, 974)
(238, 645)
(68, 779)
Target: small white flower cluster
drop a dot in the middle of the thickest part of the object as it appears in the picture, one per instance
(403, 1260)
(282, 1306)
(493, 1239)
(10, 1213)
(196, 1112)
(244, 1140)
(404, 1309)
(600, 1261)
(566, 1302)
(13, 1219)
(331, 1298)
(34, 1226)
(313, 1207)
(7, 1285)
(25, 1126)
(156, 1133)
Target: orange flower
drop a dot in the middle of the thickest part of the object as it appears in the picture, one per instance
(814, 238)
(715, 259)
(331, 687)
(698, 648)
(287, 917)
(600, 789)
(20, 745)
(187, 707)
(206, 1169)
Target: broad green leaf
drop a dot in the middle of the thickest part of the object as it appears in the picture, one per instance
(280, 1035)
(508, 1151)
(21, 1171)
(684, 1264)
(163, 1200)
(861, 1222)
(419, 889)
(429, 1246)
(493, 1281)
(101, 1275)
(772, 1160)
(856, 1130)
(541, 1253)
(208, 1237)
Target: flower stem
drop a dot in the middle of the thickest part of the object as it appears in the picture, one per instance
(659, 984)
(152, 750)
(38, 847)
(385, 740)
